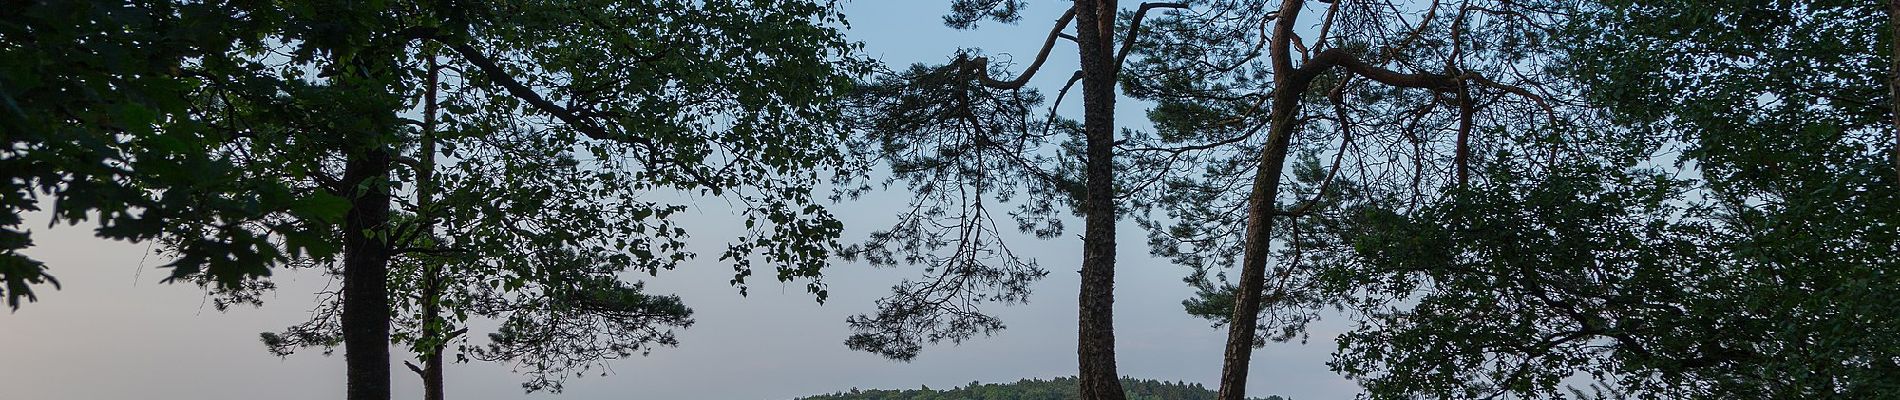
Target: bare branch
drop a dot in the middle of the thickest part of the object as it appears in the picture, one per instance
(1134, 29)
(1517, 90)
(980, 65)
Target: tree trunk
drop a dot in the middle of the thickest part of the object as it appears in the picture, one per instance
(1288, 87)
(365, 319)
(1095, 335)
(432, 375)
(1260, 217)
(432, 270)
(1893, 82)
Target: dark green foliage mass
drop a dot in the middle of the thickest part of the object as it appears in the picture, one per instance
(1033, 389)
(447, 160)
(1735, 237)
(524, 189)
(96, 119)
(1709, 211)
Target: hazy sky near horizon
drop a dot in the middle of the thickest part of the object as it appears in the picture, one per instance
(115, 332)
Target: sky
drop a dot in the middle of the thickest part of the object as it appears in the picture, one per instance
(115, 332)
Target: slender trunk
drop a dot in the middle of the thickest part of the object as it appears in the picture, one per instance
(1288, 87)
(365, 319)
(1461, 157)
(432, 270)
(1893, 83)
(1095, 335)
(1260, 215)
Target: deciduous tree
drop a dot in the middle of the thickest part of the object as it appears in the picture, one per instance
(282, 133)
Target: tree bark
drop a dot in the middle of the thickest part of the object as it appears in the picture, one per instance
(1893, 82)
(365, 319)
(1288, 86)
(432, 270)
(1095, 336)
(432, 375)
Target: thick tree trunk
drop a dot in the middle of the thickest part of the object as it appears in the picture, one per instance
(365, 319)
(1095, 335)
(1288, 87)
(432, 375)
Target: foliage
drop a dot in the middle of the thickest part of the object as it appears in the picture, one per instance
(966, 151)
(974, 150)
(240, 134)
(1387, 121)
(1735, 243)
(1518, 284)
(95, 114)
(557, 121)
(973, 132)
(1032, 389)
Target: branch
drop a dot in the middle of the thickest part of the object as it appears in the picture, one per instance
(980, 65)
(1326, 28)
(583, 124)
(1345, 143)
(1345, 60)
(1134, 29)
(1050, 122)
(494, 72)
(407, 161)
(1461, 157)
(330, 184)
(1423, 22)
(1439, 82)
(1520, 91)
(436, 251)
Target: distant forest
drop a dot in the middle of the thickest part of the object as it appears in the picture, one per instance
(1034, 389)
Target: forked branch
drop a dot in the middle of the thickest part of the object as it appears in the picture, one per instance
(980, 65)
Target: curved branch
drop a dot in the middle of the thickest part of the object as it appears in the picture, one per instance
(981, 65)
(1050, 122)
(493, 71)
(575, 120)
(1440, 82)
(1520, 91)
(1423, 22)
(1134, 29)
(1345, 60)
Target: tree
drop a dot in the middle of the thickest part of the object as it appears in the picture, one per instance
(1724, 237)
(560, 116)
(1414, 106)
(959, 136)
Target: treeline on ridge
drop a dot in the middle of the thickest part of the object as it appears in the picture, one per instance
(1062, 388)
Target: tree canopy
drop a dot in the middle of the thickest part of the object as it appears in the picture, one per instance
(250, 136)
(1707, 218)
(1501, 198)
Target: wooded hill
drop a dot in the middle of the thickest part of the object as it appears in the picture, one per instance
(1063, 388)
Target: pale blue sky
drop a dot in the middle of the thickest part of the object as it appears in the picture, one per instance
(114, 332)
